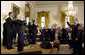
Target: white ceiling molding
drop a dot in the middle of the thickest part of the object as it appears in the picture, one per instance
(56, 2)
(50, 4)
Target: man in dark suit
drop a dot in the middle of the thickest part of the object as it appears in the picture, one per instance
(42, 34)
(74, 34)
(30, 39)
(9, 29)
(34, 32)
(30, 29)
(79, 40)
(64, 35)
(5, 34)
(52, 33)
(47, 34)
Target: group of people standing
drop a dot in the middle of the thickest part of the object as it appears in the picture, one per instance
(13, 26)
(10, 28)
(32, 30)
(47, 34)
(72, 35)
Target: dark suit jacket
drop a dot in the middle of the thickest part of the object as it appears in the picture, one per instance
(10, 22)
(47, 32)
(52, 32)
(64, 33)
(34, 28)
(9, 26)
(4, 34)
(74, 30)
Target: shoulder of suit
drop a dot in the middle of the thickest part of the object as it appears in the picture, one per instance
(78, 23)
(8, 18)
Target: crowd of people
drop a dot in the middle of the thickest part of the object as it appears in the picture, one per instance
(71, 35)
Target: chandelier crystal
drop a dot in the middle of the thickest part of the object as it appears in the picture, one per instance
(71, 10)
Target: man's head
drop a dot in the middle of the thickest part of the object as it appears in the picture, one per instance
(75, 21)
(79, 27)
(82, 27)
(11, 14)
(33, 21)
(64, 26)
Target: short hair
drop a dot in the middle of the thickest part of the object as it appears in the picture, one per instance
(76, 19)
(10, 13)
(33, 20)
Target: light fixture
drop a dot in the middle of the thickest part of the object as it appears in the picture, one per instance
(71, 10)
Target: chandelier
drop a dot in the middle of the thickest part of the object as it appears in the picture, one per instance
(70, 10)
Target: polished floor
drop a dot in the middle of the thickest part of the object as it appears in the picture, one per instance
(30, 48)
(64, 49)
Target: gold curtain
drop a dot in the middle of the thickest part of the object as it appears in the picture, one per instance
(62, 19)
(46, 15)
(72, 20)
(27, 14)
(39, 19)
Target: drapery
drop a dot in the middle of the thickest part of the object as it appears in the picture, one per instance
(62, 19)
(41, 14)
(72, 20)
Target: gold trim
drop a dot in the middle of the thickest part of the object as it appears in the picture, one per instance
(27, 14)
(39, 15)
(12, 7)
(15, 6)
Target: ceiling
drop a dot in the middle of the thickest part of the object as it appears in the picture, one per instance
(56, 2)
(39, 4)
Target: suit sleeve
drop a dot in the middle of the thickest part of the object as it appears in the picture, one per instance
(24, 23)
(4, 29)
(21, 22)
(78, 34)
(77, 25)
(69, 24)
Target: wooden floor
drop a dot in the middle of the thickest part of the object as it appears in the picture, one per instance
(28, 48)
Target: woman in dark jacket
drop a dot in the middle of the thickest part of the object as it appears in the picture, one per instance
(20, 30)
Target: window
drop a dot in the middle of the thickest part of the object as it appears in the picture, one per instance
(27, 20)
(42, 22)
(67, 18)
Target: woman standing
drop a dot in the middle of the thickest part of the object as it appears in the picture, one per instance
(20, 30)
